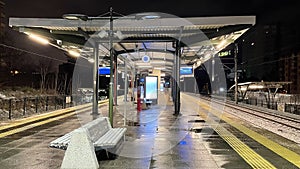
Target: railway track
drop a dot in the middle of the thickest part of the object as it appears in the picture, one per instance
(282, 124)
(273, 117)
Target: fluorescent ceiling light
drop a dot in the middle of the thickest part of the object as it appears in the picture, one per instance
(38, 38)
(148, 15)
(221, 44)
(74, 53)
(103, 34)
(91, 60)
(145, 66)
(75, 17)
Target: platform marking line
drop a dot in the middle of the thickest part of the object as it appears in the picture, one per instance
(17, 130)
(250, 156)
(32, 119)
(46, 115)
(285, 153)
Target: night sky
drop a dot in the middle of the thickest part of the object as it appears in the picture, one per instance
(266, 10)
(284, 14)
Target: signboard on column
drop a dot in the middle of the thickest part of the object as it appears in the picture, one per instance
(151, 88)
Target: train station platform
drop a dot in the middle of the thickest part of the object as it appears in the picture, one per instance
(155, 138)
(197, 138)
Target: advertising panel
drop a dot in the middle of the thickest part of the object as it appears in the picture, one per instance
(151, 87)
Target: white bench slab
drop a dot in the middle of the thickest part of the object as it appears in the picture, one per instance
(101, 134)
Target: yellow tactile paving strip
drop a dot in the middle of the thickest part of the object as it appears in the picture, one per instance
(17, 130)
(250, 156)
(285, 153)
(43, 119)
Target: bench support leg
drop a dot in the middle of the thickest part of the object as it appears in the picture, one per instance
(80, 152)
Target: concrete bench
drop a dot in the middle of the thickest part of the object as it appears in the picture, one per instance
(101, 135)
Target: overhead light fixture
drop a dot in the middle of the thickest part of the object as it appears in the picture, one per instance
(74, 53)
(38, 38)
(75, 17)
(149, 15)
(141, 64)
(59, 42)
(103, 34)
(221, 44)
(160, 68)
(145, 66)
(119, 35)
(91, 60)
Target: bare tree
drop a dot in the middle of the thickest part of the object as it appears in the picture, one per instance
(44, 67)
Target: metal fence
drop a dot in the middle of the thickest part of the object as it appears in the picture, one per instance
(13, 108)
(284, 103)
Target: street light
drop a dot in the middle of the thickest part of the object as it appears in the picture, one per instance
(76, 17)
(96, 59)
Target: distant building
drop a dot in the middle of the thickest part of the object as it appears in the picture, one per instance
(2, 18)
(259, 48)
(290, 72)
(271, 53)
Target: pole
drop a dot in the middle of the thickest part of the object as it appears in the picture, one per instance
(125, 93)
(195, 89)
(10, 108)
(95, 80)
(177, 78)
(110, 114)
(235, 74)
(126, 83)
(115, 80)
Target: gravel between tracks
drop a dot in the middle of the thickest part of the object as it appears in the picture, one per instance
(282, 130)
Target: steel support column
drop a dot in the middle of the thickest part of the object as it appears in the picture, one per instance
(235, 74)
(177, 78)
(115, 80)
(126, 83)
(111, 82)
(95, 80)
(126, 87)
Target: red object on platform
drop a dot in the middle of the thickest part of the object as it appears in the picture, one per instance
(139, 105)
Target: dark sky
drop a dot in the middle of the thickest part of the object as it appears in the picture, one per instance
(278, 12)
(265, 10)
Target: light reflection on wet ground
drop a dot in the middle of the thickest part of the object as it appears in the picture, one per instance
(157, 140)
(162, 140)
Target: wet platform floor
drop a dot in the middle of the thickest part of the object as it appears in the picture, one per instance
(155, 139)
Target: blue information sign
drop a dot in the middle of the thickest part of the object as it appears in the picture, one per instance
(104, 70)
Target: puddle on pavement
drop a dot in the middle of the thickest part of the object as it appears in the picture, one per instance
(196, 121)
(196, 130)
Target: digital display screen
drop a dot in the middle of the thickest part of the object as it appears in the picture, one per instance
(151, 87)
(186, 70)
(104, 70)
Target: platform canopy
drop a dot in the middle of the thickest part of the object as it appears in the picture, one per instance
(135, 37)
(270, 87)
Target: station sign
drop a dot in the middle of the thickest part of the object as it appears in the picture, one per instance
(225, 53)
(146, 59)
